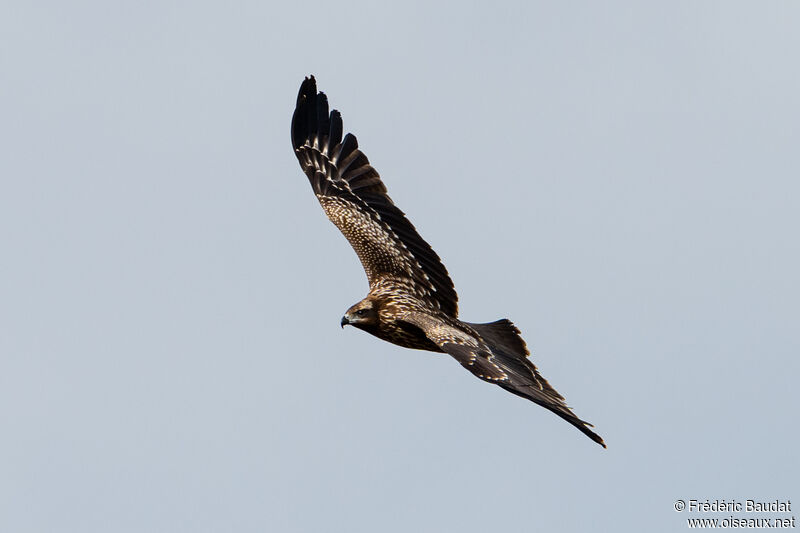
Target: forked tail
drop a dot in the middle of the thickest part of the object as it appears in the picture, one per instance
(510, 353)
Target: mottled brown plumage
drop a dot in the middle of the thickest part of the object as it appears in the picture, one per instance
(411, 300)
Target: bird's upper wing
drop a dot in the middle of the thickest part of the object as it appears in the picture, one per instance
(495, 352)
(355, 200)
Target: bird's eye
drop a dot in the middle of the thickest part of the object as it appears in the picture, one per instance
(361, 312)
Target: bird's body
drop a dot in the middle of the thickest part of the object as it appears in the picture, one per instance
(411, 300)
(389, 304)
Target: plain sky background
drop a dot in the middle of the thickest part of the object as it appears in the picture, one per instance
(618, 178)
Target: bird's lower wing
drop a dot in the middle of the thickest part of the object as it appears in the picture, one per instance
(496, 353)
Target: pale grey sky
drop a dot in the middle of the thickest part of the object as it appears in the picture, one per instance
(619, 179)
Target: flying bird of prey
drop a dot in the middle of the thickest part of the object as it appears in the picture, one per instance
(411, 300)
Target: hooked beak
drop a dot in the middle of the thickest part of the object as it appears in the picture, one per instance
(345, 321)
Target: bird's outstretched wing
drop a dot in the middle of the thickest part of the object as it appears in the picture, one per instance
(355, 200)
(496, 353)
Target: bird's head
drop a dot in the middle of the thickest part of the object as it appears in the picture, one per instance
(362, 315)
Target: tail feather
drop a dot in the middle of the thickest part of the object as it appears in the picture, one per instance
(511, 353)
(503, 334)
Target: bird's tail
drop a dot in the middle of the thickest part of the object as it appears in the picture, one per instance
(512, 354)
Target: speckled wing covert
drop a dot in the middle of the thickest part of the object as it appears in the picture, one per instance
(354, 198)
(495, 352)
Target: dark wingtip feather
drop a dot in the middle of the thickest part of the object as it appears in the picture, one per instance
(321, 124)
(597, 438)
(583, 426)
(336, 130)
(307, 88)
(305, 111)
(312, 119)
(591, 434)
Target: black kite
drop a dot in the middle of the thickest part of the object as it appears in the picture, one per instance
(411, 300)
